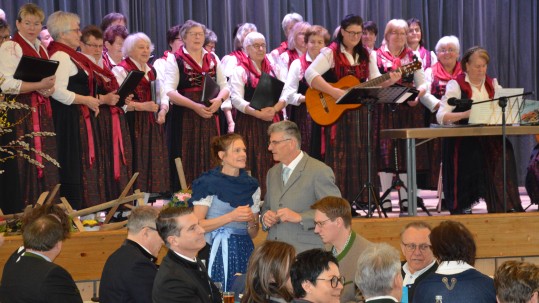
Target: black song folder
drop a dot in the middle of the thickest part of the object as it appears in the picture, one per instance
(33, 69)
(267, 92)
(210, 90)
(129, 84)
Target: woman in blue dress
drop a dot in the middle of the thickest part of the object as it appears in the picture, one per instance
(227, 202)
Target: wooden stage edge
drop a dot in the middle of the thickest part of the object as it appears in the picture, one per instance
(498, 237)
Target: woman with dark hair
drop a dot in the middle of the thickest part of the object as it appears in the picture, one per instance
(192, 121)
(395, 53)
(316, 37)
(456, 280)
(345, 141)
(23, 182)
(150, 154)
(417, 43)
(473, 168)
(115, 139)
(268, 274)
(113, 19)
(113, 37)
(316, 278)
(226, 200)
(370, 32)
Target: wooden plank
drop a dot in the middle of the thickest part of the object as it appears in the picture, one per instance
(75, 219)
(123, 194)
(181, 174)
(52, 194)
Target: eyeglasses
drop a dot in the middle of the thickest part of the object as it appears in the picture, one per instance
(76, 30)
(414, 30)
(4, 38)
(93, 45)
(275, 142)
(258, 46)
(353, 34)
(398, 34)
(335, 281)
(321, 223)
(411, 247)
(196, 34)
(447, 51)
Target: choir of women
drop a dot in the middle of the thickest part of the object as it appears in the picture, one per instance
(102, 140)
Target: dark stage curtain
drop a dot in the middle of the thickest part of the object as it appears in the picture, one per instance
(506, 28)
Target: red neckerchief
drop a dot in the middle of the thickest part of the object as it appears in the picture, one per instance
(439, 72)
(36, 98)
(282, 47)
(395, 60)
(425, 56)
(250, 67)
(206, 61)
(165, 55)
(142, 90)
(342, 65)
(466, 88)
(106, 61)
(104, 77)
(239, 54)
(292, 55)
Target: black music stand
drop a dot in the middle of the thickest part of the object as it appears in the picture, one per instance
(370, 96)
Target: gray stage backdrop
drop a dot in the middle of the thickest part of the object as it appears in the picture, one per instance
(506, 28)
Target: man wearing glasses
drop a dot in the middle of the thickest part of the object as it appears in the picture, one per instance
(378, 274)
(333, 223)
(420, 262)
(293, 185)
(129, 272)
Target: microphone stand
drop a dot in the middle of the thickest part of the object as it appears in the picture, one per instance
(502, 103)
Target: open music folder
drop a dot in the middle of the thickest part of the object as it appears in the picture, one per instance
(490, 113)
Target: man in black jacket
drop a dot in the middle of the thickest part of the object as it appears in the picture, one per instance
(416, 248)
(182, 277)
(129, 272)
(33, 277)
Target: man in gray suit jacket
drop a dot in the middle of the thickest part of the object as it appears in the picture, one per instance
(293, 186)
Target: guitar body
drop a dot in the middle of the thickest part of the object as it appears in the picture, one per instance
(323, 108)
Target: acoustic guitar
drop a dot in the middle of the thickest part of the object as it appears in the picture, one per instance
(325, 110)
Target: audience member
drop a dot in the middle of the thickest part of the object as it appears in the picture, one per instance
(181, 276)
(517, 282)
(226, 200)
(333, 223)
(455, 279)
(34, 277)
(293, 185)
(416, 248)
(129, 272)
(316, 278)
(268, 274)
(378, 274)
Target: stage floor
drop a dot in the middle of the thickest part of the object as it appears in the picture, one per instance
(430, 199)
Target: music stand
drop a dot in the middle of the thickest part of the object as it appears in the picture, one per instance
(370, 96)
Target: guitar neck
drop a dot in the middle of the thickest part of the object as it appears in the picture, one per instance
(379, 80)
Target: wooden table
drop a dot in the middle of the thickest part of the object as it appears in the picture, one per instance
(411, 134)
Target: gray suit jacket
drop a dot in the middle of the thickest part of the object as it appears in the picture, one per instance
(310, 181)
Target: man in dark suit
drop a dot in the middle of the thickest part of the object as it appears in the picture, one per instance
(293, 186)
(33, 277)
(181, 276)
(420, 262)
(378, 274)
(129, 272)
